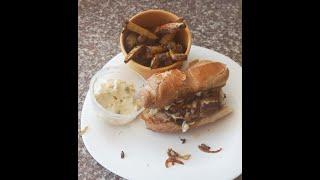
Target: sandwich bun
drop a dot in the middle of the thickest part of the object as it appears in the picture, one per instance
(164, 88)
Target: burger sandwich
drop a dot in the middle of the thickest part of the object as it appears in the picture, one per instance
(179, 100)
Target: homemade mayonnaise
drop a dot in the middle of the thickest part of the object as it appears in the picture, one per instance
(117, 96)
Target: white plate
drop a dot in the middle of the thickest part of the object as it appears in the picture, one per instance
(145, 151)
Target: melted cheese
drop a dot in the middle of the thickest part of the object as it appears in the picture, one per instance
(185, 126)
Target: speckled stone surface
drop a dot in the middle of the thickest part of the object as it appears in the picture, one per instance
(214, 24)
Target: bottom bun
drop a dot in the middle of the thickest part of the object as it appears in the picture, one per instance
(154, 123)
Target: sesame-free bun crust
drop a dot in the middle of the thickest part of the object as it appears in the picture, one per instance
(206, 74)
(164, 88)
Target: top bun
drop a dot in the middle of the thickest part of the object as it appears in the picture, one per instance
(164, 88)
(205, 74)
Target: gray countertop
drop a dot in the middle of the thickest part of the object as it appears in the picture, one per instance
(214, 24)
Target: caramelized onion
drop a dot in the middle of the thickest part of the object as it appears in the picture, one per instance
(172, 161)
(173, 158)
(205, 148)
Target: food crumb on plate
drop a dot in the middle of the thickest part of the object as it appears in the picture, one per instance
(183, 140)
(122, 154)
(83, 130)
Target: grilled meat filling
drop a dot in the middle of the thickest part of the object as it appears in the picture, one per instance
(195, 106)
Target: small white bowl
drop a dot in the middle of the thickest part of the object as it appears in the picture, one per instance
(112, 73)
